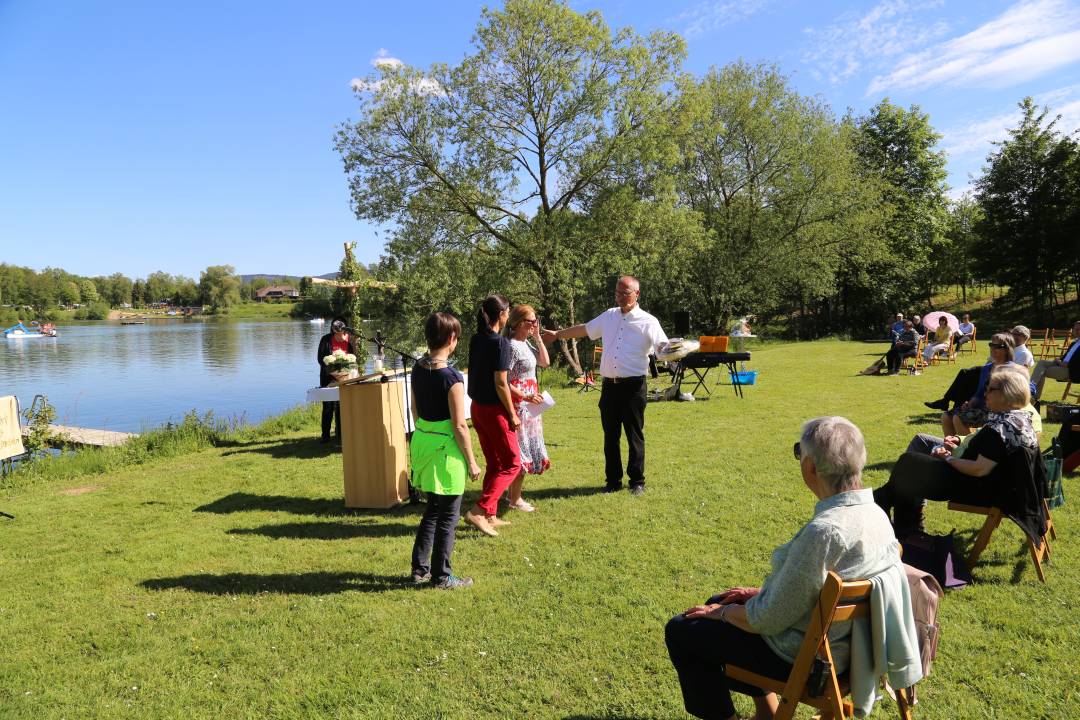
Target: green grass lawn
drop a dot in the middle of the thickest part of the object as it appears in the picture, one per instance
(232, 583)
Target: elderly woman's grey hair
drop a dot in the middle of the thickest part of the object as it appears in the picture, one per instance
(1014, 385)
(837, 450)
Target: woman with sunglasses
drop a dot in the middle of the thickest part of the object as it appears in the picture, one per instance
(973, 412)
(525, 358)
(976, 473)
(761, 629)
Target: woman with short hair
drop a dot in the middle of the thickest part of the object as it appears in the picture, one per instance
(761, 629)
(441, 453)
(337, 339)
(1022, 353)
(974, 474)
(972, 413)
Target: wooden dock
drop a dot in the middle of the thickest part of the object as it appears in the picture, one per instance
(89, 436)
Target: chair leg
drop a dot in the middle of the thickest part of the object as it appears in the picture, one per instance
(1037, 559)
(902, 704)
(983, 539)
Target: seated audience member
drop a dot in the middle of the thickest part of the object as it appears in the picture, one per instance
(897, 327)
(761, 629)
(903, 347)
(916, 321)
(972, 413)
(1063, 369)
(939, 340)
(976, 475)
(925, 444)
(1021, 353)
(966, 330)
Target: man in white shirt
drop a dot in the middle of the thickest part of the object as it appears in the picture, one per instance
(966, 330)
(629, 336)
(1064, 369)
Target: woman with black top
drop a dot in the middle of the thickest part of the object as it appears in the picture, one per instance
(336, 339)
(441, 453)
(979, 474)
(493, 413)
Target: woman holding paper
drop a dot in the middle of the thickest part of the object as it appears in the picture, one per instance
(521, 326)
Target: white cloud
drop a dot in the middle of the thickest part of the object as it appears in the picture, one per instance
(383, 58)
(384, 61)
(975, 139)
(855, 40)
(707, 17)
(1026, 41)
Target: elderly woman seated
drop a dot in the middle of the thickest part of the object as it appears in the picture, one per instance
(761, 629)
(972, 413)
(975, 473)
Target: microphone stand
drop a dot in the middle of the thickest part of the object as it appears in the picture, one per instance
(380, 343)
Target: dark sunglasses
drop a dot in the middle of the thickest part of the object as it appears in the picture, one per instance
(993, 387)
(797, 450)
(998, 346)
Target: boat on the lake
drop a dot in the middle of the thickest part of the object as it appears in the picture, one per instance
(18, 331)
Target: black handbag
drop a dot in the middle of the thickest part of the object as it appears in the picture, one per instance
(937, 555)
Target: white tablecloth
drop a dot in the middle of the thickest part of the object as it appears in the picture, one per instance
(332, 394)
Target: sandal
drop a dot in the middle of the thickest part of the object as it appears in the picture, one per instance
(522, 506)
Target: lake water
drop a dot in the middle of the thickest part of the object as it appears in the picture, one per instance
(136, 377)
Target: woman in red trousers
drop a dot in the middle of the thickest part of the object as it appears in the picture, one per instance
(494, 417)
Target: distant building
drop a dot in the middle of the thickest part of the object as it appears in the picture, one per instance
(277, 292)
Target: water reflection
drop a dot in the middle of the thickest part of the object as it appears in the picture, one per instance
(132, 377)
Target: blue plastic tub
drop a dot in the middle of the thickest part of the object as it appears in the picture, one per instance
(747, 377)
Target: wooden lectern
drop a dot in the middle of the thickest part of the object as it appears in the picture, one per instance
(374, 453)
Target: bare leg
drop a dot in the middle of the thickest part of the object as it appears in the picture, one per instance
(961, 428)
(765, 706)
(947, 426)
(515, 488)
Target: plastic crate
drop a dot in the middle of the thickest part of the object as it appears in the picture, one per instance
(713, 343)
(747, 377)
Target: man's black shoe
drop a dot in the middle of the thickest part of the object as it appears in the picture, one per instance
(942, 405)
(611, 489)
(637, 490)
(324, 439)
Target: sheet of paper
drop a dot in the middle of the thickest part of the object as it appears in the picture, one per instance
(541, 408)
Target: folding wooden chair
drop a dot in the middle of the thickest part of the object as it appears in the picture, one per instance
(1070, 394)
(969, 347)
(1040, 353)
(838, 601)
(950, 353)
(993, 519)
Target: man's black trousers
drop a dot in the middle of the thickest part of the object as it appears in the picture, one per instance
(622, 407)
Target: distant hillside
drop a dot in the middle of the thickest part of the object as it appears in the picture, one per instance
(287, 278)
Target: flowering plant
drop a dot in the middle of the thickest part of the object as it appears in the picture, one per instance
(340, 362)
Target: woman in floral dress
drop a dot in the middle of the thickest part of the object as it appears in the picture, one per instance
(526, 356)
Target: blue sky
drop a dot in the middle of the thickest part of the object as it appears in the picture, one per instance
(143, 136)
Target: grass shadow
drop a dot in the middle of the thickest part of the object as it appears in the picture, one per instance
(309, 448)
(316, 583)
(882, 465)
(924, 418)
(327, 531)
(322, 507)
(555, 493)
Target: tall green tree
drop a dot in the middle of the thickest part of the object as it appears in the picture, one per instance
(962, 245)
(898, 152)
(1029, 194)
(774, 179)
(219, 287)
(495, 154)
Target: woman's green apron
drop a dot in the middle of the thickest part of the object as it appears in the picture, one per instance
(438, 466)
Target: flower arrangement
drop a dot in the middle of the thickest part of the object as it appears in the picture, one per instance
(341, 365)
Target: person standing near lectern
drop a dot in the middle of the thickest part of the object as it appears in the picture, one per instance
(629, 336)
(337, 339)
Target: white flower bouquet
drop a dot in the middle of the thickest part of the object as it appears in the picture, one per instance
(341, 365)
